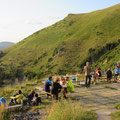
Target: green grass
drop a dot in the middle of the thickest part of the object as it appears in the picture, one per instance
(116, 116)
(26, 87)
(66, 110)
(62, 47)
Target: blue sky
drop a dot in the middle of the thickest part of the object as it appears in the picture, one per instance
(21, 18)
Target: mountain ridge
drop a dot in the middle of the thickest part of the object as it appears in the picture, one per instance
(5, 44)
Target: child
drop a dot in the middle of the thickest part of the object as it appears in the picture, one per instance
(116, 73)
(56, 88)
(94, 76)
(36, 100)
(109, 74)
(64, 86)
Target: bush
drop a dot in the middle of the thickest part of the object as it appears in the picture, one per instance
(66, 110)
(118, 106)
(50, 59)
(29, 74)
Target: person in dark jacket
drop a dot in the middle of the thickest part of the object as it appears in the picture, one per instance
(109, 74)
(47, 85)
(56, 88)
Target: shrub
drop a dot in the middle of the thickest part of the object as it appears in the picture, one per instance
(29, 74)
(35, 62)
(50, 59)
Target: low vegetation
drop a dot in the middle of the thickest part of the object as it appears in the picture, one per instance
(116, 116)
(66, 110)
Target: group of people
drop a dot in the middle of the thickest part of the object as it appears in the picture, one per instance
(60, 84)
(90, 74)
(63, 84)
(32, 99)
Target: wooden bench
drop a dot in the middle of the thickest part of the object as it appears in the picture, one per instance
(13, 107)
(41, 89)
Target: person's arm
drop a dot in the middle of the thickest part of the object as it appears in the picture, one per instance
(60, 87)
(83, 69)
(50, 83)
(16, 97)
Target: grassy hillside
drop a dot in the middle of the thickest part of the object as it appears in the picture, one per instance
(63, 47)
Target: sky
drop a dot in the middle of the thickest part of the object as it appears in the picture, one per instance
(21, 18)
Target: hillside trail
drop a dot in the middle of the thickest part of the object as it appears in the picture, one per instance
(100, 98)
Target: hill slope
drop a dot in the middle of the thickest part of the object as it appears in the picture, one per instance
(5, 44)
(65, 46)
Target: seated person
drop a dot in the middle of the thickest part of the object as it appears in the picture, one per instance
(3, 101)
(63, 83)
(109, 74)
(14, 100)
(56, 88)
(47, 85)
(70, 86)
(19, 98)
(31, 95)
(36, 100)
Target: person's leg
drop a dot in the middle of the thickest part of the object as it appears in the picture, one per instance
(57, 96)
(89, 80)
(86, 77)
(116, 77)
(64, 93)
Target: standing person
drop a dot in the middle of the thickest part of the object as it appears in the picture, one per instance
(116, 73)
(56, 88)
(109, 75)
(87, 70)
(47, 85)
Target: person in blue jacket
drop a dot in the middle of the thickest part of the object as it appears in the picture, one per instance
(47, 85)
(3, 101)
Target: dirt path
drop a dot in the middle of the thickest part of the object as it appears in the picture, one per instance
(100, 98)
